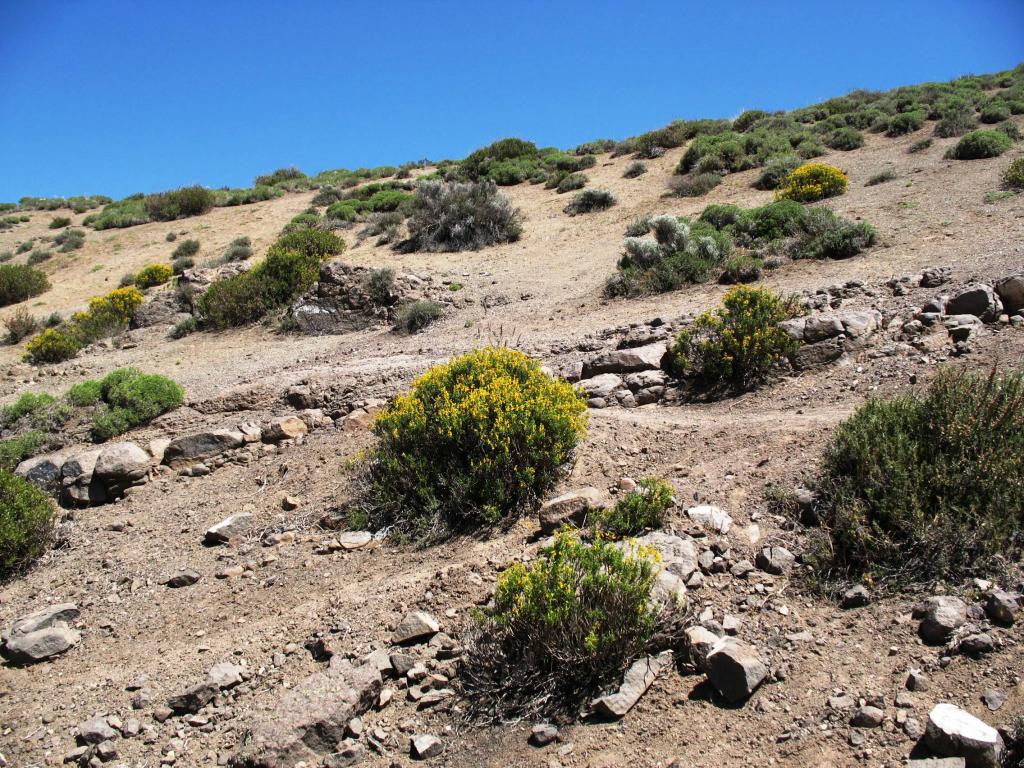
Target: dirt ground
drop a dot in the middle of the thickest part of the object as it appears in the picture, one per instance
(543, 295)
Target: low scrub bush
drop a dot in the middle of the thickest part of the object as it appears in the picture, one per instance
(153, 274)
(380, 286)
(682, 253)
(231, 197)
(38, 256)
(414, 316)
(129, 212)
(637, 511)
(132, 398)
(590, 200)
(26, 523)
(181, 263)
(905, 122)
(105, 316)
(29, 405)
(1013, 176)
(85, 393)
(823, 235)
(813, 181)
(634, 169)
(880, 178)
(919, 146)
(571, 181)
(695, 184)
(845, 139)
(995, 112)
(980, 144)
(70, 240)
(280, 176)
(239, 250)
(956, 120)
(25, 247)
(20, 324)
(927, 485)
(19, 282)
(59, 222)
(53, 345)
(184, 328)
(775, 171)
(454, 216)
(736, 346)
(475, 441)
(741, 268)
(563, 629)
(16, 449)
(185, 249)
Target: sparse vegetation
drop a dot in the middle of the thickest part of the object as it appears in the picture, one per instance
(413, 316)
(881, 177)
(475, 441)
(980, 144)
(895, 501)
(59, 222)
(70, 240)
(637, 511)
(919, 146)
(634, 169)
(20, 282)
(20, 324)
(696, 184)
(452, 216)
(1013, 176)
(736, 346)
(185, 249)
(590, 200)
(26, 523)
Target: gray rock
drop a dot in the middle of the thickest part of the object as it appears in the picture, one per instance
(50, 616)
(224, 675)
(190, 449)
(42, 635)
(943, 615)
(572, 507)
(1001, 607)
(867, 717)
(710, 517)
(817, 355)
(937, 762)
(191, 700)
(600, 387)
(856, 597)
(951, 732)
(979, 300)
(626, 360)
(416, 625)
(354, 539)
(821, 327)
(351, 753)
(642, 380)
(229, 529)
(917, 681)
(678, 554)
(993, 699)
(43, 471)
(933, 277)
(401, 663)
(638, 678)
(976, 644)
(775, 560)
(700, 641)
(735, 669)
(96, 730)
(543, 734)
(1011, 292)
(312, 718)
(424, 745)
(120, 466)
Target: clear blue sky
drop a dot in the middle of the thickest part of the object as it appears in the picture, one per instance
(122, 96)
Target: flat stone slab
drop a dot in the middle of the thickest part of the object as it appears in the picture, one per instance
(638, 678)
(951, 732)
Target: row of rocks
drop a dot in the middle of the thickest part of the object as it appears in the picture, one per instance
(962, 312)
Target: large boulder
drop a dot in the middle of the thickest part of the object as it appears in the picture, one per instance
(183, 451)
(572, 507)
(43, 471)
(979, 300)
(601, 386)
(77, 486)
(645, 358)
(310, 720)
(943, 615)
(951, 732)
(42, 634)
(735, 669)
(120, 466)
(284, 428)
(1011, 292)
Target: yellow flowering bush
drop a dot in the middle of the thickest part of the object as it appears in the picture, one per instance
(563, 627)
(106, 315)
(53, 345)
(473, 442)
(154, 274)
(736, 345)
(120, 304)
(813, 181)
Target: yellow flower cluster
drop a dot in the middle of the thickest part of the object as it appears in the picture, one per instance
(153, 274)
(813, 181)
(106, 314)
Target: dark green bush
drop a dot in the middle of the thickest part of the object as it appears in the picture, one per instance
(905, 122)
(131, 398)
(747, 119)
(25, 247)
(414, 316)
(637, 511)
(741, 268)
(919, 146)
(452, 216)
(183, 328)
(775, 171)
(281, 175)
(180, 264)
(231, 197)
(634, 169)
(185, 249)
(26, 523)
(926, 486)
(380, 285)
(563, 629)
(572, 181)
(957, 120)
(59, 222)
(124, 213)
(823, 235)
(239, 250)
(995, 112)
(476, 441)
(19, 282)
(171, 237)
(980, 144)
(845, 139)
(85, 393)
(180, 203)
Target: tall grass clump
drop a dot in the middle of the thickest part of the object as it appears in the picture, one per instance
(476, 441)
(1013, 176)
(456, 216)
(925, 486)
(563, 628)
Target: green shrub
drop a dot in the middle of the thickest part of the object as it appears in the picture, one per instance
(414, 316)
(313, 244)
(919, 146)
(133, 398)
(956, 121)
(85, 393)
(6, 256)
(638, 510)
(239, 250)
(845, 139)
(634, 169)
(571, 182)
(563, 629)
(59, 222)
(281, 175)
(928, 485)
(171, 237)
(995, 112)
(696, 184)
(15, 450)
(25, 247)
(1010, 129)
(153, 274)
(452, 216)
(185, 327)
(185, 249)
(124, 213)
(1013, 176)
(905, 122)
(590, 200)
(813, 181)
(19, 324)
(476, 441)
(747, 119)
(881, 177)
(380, 286)
(741, 268)
(19, 282)
(736, 346)
(70, 240)
(181, 263)
(231, 197)
(29, 405)
(775, 171)
(53, 345)
(508, 161)
(38, 256)
(26, 523)
(823, 235)
(980, 144)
